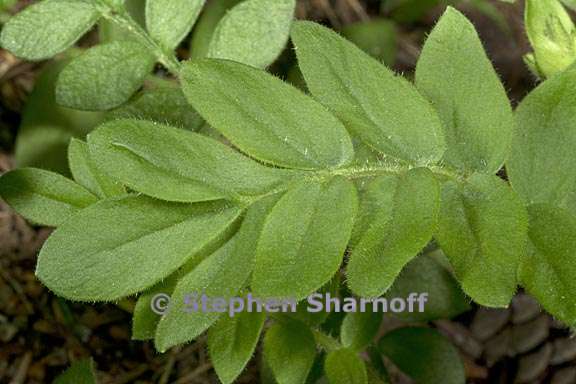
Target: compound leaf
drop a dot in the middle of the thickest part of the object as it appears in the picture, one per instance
(242, 103)
(43, 197)
(344, 366)
(232, 341)
(163, 103)
(204, 29)
(47, 28)
(403, 212)
(549, 269)
(86, 173)
(424, 355)
(222, 275)
(110, 249)
(291, 342)
(169, 21)
(457, 77)
(382, 109)
(104, 76)
(542, 159)
(149, 307)
(305, 237)
(424, 274)
(360, 328)
(254, 32)
(177, 165)
(483, 231)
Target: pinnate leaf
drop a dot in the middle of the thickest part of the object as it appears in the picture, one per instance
(382, 109)
(43, 197)
(483, 231)
(426, 275)
(221, 275)
(104, 76)
(360, 328)
(164, 103)
(254, 32)
(177, 165)
(110, 250)
(169, 21)
(542, 158)
(47, 28)
(204, 29)
(242, 103)
(343, 366)
(289, 350)
(403, 213)
(457, 77)
(232, 341)
(424, 355)
(86, 173)
(144, 319)
(303, 241)
(549, 269)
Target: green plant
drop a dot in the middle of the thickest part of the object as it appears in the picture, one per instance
(74, 94)
(552, 34)
(368, 165)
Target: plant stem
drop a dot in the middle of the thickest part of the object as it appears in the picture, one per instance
(122, 18)
(328, 343)
(356, 172)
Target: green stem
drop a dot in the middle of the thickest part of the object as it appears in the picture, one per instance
(328, 343)
(121, 17)
(356, 172)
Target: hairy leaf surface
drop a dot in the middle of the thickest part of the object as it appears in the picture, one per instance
(383, 109)
(289, 350)
(548, 271)
(163, 103)
(483, 231)
(111, 249)
(169, 21)
(43, 197)
(177, 165)
(144, 319)
(359, 329)
(424, 355)
(403, 213)
(254, 32)
(343, 366)
(265, 117)
(86, 173)
(232, 341)
(457, 77)
(47, 28)
(542, 161)
(304, 239)
(104, 76)
(221, 275)
(426, 275)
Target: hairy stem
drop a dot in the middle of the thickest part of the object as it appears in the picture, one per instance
(354, 172)
(328, 343)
